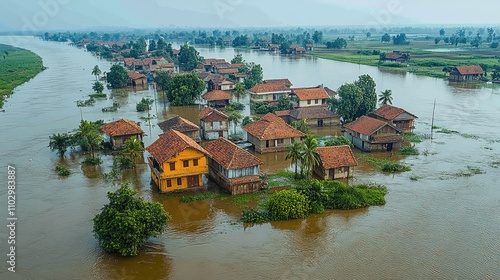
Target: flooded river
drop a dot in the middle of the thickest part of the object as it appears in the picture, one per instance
(441, 226)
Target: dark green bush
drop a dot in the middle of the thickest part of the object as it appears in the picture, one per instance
(62, 170)
(255, 216)
(288, 204)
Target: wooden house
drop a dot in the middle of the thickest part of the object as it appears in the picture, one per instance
(401, 119)
(217, 98)
(268, 92)
(315, 116)
(119, 131)
(137, 79)
(213, 123)
(312, 96)
(177, 162)
(296, 49)
(369, 134)
(336, 162)
(466, 73)
(182, 125)
(233, 167)
(271, 133)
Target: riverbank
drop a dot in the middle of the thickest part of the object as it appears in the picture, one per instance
(18, 66)
(426, 57)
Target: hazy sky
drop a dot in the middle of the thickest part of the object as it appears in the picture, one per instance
(40, 15)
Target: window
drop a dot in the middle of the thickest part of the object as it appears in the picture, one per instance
(308, 102)
(195, 162)
(280, 141)
(169, 183)
(185, 163)
(316, 101)
(179, 181)
(172, 166)
(292, 140)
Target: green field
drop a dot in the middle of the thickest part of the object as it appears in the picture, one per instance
(426, 58)
(16, 67)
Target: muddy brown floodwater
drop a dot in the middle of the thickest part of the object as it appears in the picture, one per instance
(441, 226)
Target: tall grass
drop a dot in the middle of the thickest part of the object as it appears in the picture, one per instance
(18, 67)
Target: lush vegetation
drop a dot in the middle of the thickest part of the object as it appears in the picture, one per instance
(184, 89)
(313, 196)
(62, 170)
(117, 76)
(409, 151)
(355, 99)
(338, 141)
(144, 104)
(18, 67)
(127, 221)
(189, 57)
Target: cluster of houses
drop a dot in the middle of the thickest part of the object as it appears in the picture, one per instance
(186, 151)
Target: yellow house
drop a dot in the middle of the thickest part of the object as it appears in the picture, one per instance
(177, 162)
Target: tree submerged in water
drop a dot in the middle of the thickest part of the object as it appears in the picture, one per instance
(127, 221)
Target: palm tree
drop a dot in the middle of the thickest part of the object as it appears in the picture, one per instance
(131, 147)
(235, 118)
(60, 142)
(385, 97)
(310, 156)
(96, 71)
(89, 136)
(98, 87)
(239, 91)
(295, 154)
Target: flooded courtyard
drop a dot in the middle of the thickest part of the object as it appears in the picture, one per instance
(443, 225)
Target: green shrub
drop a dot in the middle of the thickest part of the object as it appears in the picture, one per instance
(412, 137)
(393, 167)
(62, 170)
(92, 161)
(235, 106)
(409, 151)
(255, 216)
(97, 95)
(85, 103)
(144, 105)
(341, 196)
(288, 204)
(337, 141)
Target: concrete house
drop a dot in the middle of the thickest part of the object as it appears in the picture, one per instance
(119, 131)
(268, 92)
(336, 162)
(213, 124)
(315, 116)
(400, 118)
(182, 125)
(307, 97)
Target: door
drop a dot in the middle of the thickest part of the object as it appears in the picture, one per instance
(193, 181)
(331, 174)
(389, 147)
(221, 133)
(320, 123)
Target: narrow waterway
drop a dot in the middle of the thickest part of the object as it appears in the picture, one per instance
(442, 226)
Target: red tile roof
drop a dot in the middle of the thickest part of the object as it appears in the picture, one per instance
(230, 156)
(121, 127)
(314, 112)
(393, 56)
(210, 61)
(215, 78)
(217, 95)
(366, 125)
(135, 75)
(286, 82)
(210, 114)
(128, 61)
(271, 127)
(178, 123)
(170, 144)
(269, 87)
(282, 113)
(336, 156)
(310, 93)
(389, 112)
(470, 70)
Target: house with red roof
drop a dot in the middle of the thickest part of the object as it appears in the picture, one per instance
(396, 56)
(213, 124)
(182, 125)
(286, 82)
(271, 134)
(400, 118)
(217, 98)
(314, 116)
(119, 131)
(268, 92)
(336, 162)
(233, 167)
(466, 73)
(137, 79)
(369, 134)
(310, 96)
(177, 162)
